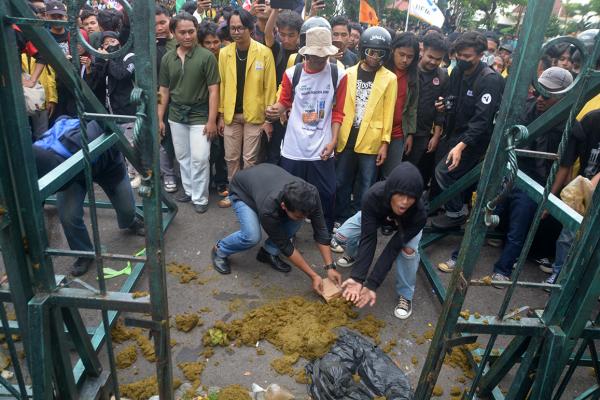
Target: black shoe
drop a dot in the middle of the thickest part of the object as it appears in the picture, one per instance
(387, 230)
(276, 263)
(200, 208)
(220, 264)
(444, 222)
(81, 265)
(183, 198)
(137, 227)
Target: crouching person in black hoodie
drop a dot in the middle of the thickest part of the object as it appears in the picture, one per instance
(108, 170)
(396, 200)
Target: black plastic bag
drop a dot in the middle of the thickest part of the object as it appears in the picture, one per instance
(333, 376)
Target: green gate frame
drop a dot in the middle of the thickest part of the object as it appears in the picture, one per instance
(47, 313)
(543, 345)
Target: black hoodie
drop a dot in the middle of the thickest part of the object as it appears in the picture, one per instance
(376, 208)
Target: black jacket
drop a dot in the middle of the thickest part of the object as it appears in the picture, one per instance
(538, 168)
(118, 76)
(432, 85)
(261, 188)
(376, 209)
(478, 97)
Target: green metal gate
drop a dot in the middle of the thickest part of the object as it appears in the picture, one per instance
(550, 345)
(48, 314)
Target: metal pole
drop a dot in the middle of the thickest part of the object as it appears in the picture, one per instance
(407, 14)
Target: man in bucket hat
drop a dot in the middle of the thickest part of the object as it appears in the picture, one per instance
(313, 92)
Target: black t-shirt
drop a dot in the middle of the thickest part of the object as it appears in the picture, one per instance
(281, 56)
(432, 85)
(364, 84)
(589, 145)
(240, 63)
(63, 41)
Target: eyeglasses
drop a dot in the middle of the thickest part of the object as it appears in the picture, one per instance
(237, 28)
(538, 94)
(375, 53)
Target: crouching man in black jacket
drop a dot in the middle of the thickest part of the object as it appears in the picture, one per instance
(396, 200)
(268, 196)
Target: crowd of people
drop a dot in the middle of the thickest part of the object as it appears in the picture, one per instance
(294, 119)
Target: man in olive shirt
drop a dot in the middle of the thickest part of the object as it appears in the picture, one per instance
(189, 78)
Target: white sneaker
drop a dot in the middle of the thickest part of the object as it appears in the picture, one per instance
(136, 182)
(404, 308)
(345, 262)
(496, 276)
(335, 246)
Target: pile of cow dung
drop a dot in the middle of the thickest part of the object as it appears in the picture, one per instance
(233, 392)
(296, 326)
(143, 389)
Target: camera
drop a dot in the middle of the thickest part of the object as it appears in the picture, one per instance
(450, 103)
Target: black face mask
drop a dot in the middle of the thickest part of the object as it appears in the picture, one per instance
(463, 65)
(112, 49)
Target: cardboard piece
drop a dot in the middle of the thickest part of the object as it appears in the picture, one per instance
(330, 290)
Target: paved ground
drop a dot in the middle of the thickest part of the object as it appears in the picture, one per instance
(189, 240)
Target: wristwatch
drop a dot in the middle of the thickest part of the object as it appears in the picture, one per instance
(330, 266)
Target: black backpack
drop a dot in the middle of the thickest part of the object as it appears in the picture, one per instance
(298, 74)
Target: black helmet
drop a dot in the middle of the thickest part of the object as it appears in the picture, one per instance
(588, 38)
(375, 37)
(312, 22)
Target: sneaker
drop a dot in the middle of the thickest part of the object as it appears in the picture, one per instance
(404, 308)
(444, 222)
(183, 198)
(200, 208)
(170, 186)
(496, 276)
(492, 242)
(447, 266)
(335, 246)
(136, 182)
(544, 264)
(137, 227)
(345, 262)
(224, 203)
(551, 280)
(81, 266)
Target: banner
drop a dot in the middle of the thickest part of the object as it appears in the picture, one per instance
(368, 14)
(426, 11)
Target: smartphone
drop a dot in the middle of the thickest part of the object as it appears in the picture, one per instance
(338, 44)
(283, 4)
(260, 2)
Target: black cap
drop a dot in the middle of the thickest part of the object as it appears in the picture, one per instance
(110, 34)
(56, 7)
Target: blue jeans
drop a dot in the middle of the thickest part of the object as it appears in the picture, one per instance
(350, 165)
(70, 210)
(250, 232)
(563, 245)
(520, 210)
(348, 236)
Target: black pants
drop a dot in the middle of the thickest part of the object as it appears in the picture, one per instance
(321, 174)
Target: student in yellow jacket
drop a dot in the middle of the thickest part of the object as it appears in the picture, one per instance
(368, 116)
(39, 121)
(248, 86)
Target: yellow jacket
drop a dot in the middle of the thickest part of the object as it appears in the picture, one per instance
(260, 85)
(376, 125)
(47, 78)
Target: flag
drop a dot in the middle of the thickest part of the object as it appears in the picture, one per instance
(367, 14)
(426, 11)
(179, 4)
